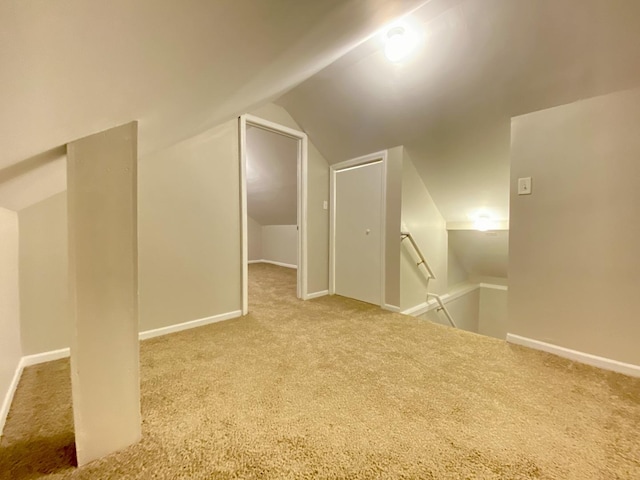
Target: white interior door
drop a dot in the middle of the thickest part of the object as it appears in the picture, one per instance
(358, 232)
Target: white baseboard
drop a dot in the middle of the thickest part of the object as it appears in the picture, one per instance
(494, 286)
(37, 358)
(8, 398)
(429, 305)
(391, 308)
(321, 293)
(273, 262)
(157, 332)
(586, 358)
(29, 360)
(254, 261)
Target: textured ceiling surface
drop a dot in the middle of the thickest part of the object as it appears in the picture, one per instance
(72, 68)
(480, 63)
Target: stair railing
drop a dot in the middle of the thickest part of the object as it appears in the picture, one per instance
(428, 272)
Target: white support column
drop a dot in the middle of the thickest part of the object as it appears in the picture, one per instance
(103, 287)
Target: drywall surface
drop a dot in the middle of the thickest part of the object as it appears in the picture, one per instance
(393, 219)
(188, 254)
(10, 349)
(189, 229)
(272, 177)
(280, 244)
(44, 265)
(456, 273)
(103, 291)
(254, 239)
(574, 271)
(318, 193)
(493, 312)
(421, 217)
(481, 253)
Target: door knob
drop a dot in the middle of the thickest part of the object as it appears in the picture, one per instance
(367, 231)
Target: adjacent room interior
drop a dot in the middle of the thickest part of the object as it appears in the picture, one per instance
(372, 240)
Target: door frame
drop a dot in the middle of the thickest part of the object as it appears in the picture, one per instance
(375, 157)
(301, 137)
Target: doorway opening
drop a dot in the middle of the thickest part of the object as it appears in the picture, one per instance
(273, 160)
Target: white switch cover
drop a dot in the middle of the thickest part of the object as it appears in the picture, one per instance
(325, 205)
(524, 186)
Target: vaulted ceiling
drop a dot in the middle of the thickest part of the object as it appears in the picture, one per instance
(450, 104)
(70, 68)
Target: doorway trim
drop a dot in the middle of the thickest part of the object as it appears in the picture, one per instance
(375, 157)
(301, 137)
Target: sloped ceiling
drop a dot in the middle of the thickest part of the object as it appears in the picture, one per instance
(482, 62)
(70, 68)
(272, 177)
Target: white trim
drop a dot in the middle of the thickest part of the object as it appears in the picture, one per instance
(391, 308)
(29, 360)
(429, 305)
(157, 332)
(494, 286)
(586, 358)
(375, 157)
(8, 398)
(302, 162)
(43, 357)
(254, 261)
(244, 228)
(273, 262)
(321, 293)
(498, 225)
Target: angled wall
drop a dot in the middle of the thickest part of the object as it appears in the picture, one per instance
(421, 217)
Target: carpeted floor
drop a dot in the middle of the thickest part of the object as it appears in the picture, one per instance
(337, 389)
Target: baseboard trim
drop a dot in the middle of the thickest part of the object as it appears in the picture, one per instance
(8, 398)
(391, 308)
(313, 295)
(29, 360)
(43, 357)
(494, 286)
(577, 356)
(254, 261)
(429, 305)
(157, 332)
(273, 262)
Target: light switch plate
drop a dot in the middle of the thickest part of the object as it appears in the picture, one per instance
(524, 186)
(325, 205)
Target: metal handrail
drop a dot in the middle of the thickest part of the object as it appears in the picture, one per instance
(423, 261)
(430, 275)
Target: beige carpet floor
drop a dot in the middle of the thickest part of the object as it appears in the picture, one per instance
(337, 389)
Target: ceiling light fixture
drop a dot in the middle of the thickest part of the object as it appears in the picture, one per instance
(400, 41)
(483, 223)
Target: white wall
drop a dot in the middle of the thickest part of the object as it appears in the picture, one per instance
(423, 219)
(189, 229)
(280, 244)
(254, 239)
(10, 349)
(574, 268)
(493, 312)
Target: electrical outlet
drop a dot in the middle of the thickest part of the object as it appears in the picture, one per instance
(524, 186)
